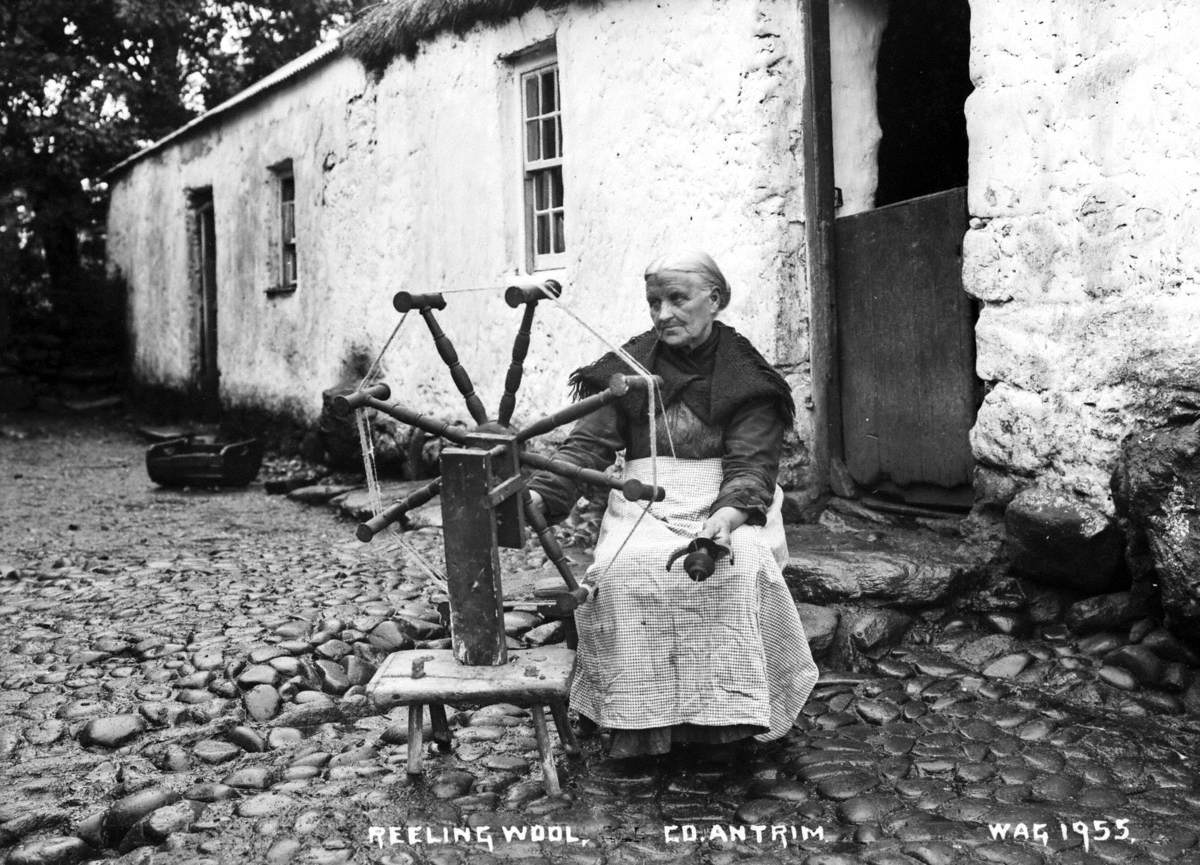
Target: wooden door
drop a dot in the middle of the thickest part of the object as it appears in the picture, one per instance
(206, 245)
(906, 358)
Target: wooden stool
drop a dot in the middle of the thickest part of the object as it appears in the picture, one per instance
(432, 677)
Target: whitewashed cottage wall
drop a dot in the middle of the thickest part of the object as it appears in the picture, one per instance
(1085, 188)
(681, 126)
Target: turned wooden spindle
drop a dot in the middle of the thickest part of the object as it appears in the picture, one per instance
(632, 489)
(515, 295)
(585, 406)
(516, 369)
(461, 380)
(403, 301)
(618, 386)
(396, 511)
(433, 426)
(575, 594)
(343, 405)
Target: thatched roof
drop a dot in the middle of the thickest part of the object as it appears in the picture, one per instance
(384, 31)
(396, 27)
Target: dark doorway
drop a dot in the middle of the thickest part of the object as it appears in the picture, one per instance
(208, 374)
(923, 81)
(904, 325)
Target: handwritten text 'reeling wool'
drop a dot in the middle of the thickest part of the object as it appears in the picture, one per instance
(483, 836)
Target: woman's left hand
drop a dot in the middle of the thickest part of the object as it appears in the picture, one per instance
(721, 525)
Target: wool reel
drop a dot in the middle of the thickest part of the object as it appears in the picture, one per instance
(485, 501)
(701, 557)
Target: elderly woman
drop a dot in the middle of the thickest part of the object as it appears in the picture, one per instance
(661, 658)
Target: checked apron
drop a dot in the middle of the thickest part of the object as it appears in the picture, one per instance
(656, 649)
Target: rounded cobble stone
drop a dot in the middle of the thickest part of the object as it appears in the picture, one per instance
(243, 592)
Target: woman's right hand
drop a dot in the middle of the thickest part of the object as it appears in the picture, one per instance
(721, 525)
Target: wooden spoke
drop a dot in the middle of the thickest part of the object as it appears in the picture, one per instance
(343, 405)
(516, 369)
(633, 490)
(575, 594)
(570, 413)
(442, 428)
(515, 295)
(618, 386)
(397, 510)
(404, 301)
(461, 379)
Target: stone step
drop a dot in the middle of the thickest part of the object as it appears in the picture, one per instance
(823, 577)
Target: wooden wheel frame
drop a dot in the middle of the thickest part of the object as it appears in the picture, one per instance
(485, 500)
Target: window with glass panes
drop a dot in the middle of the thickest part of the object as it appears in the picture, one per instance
(543, 166)
(287, 228)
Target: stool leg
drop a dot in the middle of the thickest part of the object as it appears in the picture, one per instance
(416, 715)
(565, 734)
(549, 773)
(441, 728)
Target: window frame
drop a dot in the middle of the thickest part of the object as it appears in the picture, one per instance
(285, 253)
(542, 169)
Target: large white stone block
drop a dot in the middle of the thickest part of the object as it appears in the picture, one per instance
(1084, 184)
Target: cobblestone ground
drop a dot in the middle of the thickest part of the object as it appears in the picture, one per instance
(182, 677)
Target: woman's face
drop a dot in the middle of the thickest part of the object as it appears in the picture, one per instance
(681, 308)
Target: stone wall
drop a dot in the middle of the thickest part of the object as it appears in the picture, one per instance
(412, 181)
(1083, 192)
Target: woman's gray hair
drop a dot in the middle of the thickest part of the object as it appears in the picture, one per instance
(692, 261)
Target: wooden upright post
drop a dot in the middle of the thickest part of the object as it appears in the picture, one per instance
(818, 230)
(472, 558)
(503, 498)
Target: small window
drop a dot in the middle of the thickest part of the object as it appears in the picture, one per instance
(287, 228)
(284, 264)
(541, 110)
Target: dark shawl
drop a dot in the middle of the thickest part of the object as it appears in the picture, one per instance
(739, 375)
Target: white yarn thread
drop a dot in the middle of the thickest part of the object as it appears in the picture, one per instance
(653, 396)
(366, 444)
(370, 468)
(366, 441)
(430, 571)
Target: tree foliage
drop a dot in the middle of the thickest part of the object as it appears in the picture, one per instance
(84, 83)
